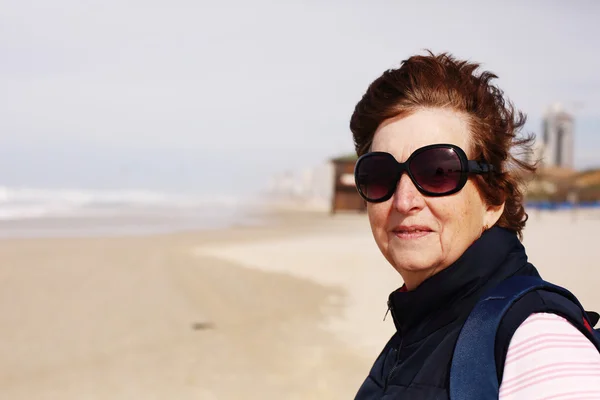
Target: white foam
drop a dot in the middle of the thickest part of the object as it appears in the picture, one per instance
(23, 203)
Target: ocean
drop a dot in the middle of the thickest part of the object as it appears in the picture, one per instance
(40, 212)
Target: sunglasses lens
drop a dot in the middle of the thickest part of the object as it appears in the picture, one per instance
(376, 176)
(437, 170)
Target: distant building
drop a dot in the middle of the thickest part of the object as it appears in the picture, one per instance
(308, 188)
(558, 138)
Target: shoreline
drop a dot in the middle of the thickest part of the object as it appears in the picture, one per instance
(145, 225)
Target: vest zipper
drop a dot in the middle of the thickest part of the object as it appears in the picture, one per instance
(388, 310)
(398, 349)
(396, 362)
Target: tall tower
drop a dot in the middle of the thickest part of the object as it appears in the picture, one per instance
(558, 137)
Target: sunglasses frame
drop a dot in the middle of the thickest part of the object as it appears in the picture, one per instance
(467, 167)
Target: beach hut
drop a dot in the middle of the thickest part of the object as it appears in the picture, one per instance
(563, 186)
(345, 196)
(550, 184)
(586, 186)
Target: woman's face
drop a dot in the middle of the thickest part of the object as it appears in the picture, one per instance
(449, 224)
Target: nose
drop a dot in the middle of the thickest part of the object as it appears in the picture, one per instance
(407, 198)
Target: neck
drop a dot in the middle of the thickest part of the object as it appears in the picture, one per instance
(413, 279)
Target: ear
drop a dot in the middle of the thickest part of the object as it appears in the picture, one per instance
(492, 214)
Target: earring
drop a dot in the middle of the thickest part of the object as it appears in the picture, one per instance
(485, 228)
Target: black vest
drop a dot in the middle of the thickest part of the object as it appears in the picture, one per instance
(415, 363)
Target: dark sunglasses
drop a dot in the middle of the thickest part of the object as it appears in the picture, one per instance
(435, 170)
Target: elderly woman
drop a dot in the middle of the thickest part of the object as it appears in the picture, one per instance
(437, 168)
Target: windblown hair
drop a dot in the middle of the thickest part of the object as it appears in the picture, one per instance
(442, 81)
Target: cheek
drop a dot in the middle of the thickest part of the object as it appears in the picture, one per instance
(378, 214)
(474, 205)
(459, 212)
(462, 213)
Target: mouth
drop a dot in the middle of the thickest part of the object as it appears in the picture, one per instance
(411, 232)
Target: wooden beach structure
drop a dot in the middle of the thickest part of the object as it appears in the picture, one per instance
(345, 195)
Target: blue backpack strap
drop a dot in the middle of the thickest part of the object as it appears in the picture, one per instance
(473, 374)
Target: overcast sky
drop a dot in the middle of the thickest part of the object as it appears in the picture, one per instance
(218, 96)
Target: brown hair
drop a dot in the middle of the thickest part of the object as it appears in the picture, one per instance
(442, 81)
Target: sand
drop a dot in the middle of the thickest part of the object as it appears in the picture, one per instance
(293, 310)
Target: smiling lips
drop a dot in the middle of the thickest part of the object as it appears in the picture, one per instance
(411, 231)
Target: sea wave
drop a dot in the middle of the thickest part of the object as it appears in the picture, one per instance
(25, 202)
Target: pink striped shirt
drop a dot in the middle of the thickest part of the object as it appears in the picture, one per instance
(548, 358)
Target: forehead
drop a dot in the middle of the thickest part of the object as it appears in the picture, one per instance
(402, 136)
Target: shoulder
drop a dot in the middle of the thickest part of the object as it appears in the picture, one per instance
(547, 356)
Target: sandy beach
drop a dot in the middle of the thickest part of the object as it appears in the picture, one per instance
(292, 310)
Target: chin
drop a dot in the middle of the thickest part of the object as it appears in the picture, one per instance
(413, 262)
